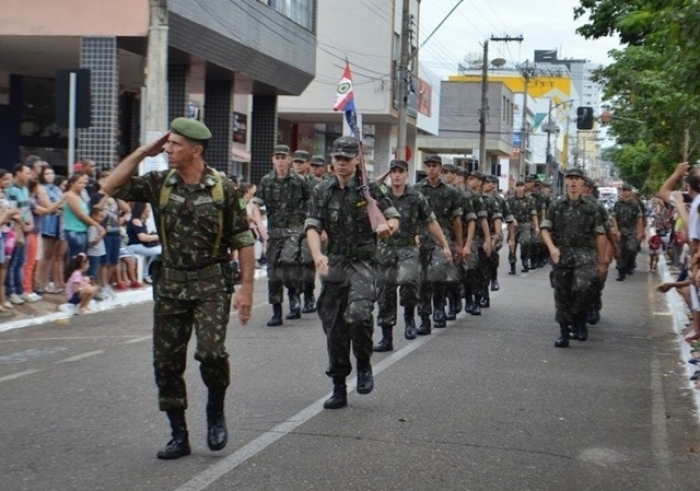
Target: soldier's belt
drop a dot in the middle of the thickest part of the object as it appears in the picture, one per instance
(569, 242)
(350, 252)
(182, 276)
(401, 242)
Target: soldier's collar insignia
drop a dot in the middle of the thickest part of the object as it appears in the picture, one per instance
(209, 181)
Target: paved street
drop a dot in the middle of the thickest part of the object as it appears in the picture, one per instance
(486, 404)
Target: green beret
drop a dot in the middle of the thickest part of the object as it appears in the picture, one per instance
(190, 128)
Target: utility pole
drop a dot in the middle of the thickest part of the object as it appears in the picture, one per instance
(156, 117)
(527, 72)
(484, 111)
(403, 75)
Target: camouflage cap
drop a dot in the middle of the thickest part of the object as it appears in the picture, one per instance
(301, 155)
(589, 182)
(529, 178)
(492, 178)
(190, 128)
(626, 187)
(477, 175)
(280, 150)
(448, 168)
(519, 183)
(318, 160)
(461, 171)
(402, 164)
(432, 158)
(575, 172)
(345, 146)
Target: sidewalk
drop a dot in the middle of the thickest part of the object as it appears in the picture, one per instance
(54, 308)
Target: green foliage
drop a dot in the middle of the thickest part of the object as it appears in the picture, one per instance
(653, 86)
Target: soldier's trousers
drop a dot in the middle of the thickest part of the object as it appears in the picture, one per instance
(173, 321)
(628, 252)
(495, 260)
(437, 275)
(405, 275)
(345, 307)
(479, 273)
(523, 239)
(308, 273)
(283, 267)
(574, 291)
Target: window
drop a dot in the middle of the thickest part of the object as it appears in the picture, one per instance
(300, 11)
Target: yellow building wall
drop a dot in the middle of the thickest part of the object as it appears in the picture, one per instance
(537, 87)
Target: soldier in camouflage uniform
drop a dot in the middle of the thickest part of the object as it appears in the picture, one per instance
(200, 224)
(574, 234)
(532, 189)
(318, 168)
(397, 256)
(478, 268)
(627, 220)
(285, 195)
(301, 163)
(438, 274)
(524, 209)
(347, 297)
(490, 189)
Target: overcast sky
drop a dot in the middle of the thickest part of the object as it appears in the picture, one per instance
(544, 24)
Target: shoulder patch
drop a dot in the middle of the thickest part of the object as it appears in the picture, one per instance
(242, 204)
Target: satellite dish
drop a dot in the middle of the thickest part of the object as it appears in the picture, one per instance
(498, 62)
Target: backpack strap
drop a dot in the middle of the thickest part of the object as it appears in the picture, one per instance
(165, 192)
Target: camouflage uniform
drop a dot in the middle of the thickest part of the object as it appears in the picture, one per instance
(524, 210)
(397, 257)
(574, 226)
(191, 288)
(494, 258)
(536, 244)
(627, 213)
(480, 271)
(598, 284)
(437, 274)
(286, 200)
(348, 293)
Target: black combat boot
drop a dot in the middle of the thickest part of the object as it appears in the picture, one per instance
(494, 282)
(340, 395)
(485, 301)
(592, 316)
(452, 307)
(563, 341)
(580, 330)
(309, 299)
(217, 434)
(179, 446)
(365, 380)
(424, 328)
(411, 331)
(276, 319)
(294, 306)
(525, 266)
(387, 342)
(439, 317)
(512, 269)
(476, 308)
(621, 274)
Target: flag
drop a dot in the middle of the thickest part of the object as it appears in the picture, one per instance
(344, 97)
(345, 101)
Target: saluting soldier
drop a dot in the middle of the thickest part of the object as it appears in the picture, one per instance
(201, 220)
(347, 297)
(437, 272)
(397, 256)
(285, 195)
(574, 234)
(627, 220)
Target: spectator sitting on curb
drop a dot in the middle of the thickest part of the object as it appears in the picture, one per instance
(79, 290)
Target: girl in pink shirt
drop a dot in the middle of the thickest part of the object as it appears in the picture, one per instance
(79, 290)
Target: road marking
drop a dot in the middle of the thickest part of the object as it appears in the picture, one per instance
(81, 356)
(138, 340)
(26, 355)
(212, 474)
(17, 375)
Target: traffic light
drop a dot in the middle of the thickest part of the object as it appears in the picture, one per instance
(584, 118)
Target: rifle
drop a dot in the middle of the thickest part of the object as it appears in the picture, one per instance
(376, 217)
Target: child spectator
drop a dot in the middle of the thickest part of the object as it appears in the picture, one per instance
(96, 251)
(655, 246)
(79, 290)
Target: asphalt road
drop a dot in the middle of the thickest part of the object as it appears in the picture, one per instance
(486, 404)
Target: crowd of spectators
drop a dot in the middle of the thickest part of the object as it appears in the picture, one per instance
(48, 222)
